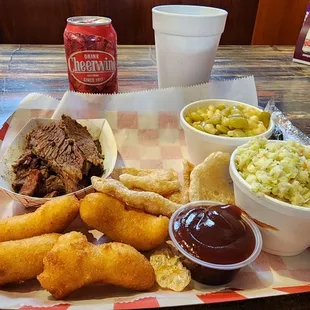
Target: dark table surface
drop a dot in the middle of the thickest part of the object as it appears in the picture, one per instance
(41, 68)
(37, 68)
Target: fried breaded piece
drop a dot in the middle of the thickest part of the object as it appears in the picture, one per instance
(54, 216)
(109, 215)
(149, 202)
(74, 262)
(182, 195)
(117, 172)
(187, 170)
(159, 181)
(210, 180)
(21, 260)
(175, 197)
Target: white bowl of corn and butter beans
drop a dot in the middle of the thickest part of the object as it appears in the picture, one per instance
(221, 125)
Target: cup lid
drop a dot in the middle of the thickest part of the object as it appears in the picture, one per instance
(189, 20)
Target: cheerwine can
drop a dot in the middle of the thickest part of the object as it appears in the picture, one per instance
(91, 53)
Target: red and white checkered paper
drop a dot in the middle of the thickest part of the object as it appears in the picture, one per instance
(154, 139)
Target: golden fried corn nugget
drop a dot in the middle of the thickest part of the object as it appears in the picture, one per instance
(110, 216)
(210, 180)
(21, 260)
(54, 216)
(74, 262)
(149, 202)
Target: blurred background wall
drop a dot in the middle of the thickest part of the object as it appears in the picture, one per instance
(249, 21)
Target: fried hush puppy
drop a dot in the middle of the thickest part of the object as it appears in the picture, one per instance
(110, 216)
(74, 262)
(52, 217)
(21, 260)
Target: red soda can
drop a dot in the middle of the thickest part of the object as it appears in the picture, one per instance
(91, 53)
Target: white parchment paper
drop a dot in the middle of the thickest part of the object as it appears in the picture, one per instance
(168, 100)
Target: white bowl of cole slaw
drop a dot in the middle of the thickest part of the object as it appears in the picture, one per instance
(285, 225)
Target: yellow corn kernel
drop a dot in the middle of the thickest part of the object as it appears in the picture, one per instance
(236, 133)
(226, 112)
(209, 128)
(216, 118)
(221, 106)
(249, 133)
(210, 113)
(225, 121)
(252, 124)
(260, 129)
(254, 118)
(211, 107)
(188, 120)
(204, 115)
(252, 111)
(198, 126)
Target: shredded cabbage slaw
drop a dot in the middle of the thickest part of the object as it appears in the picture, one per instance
(280, 170)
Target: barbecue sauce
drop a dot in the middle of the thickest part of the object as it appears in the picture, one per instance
(214, 234)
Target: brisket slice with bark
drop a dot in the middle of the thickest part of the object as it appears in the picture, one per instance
(34, 178)
(83, 140)
(31, 182)
(22, 169)
(61, 154)
(51, 186)
(68, 149)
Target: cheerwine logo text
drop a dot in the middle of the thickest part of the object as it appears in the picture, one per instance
(92, 67)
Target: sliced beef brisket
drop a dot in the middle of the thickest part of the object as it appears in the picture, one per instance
(83, 140)
(31, 182)
(61, 156)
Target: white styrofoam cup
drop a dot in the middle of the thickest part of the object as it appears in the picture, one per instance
(186, 39)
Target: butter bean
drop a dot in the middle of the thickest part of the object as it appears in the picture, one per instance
(209, 128)
(238, 122)
(222, 128)
(196, 117)
(237, 133)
